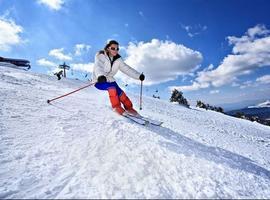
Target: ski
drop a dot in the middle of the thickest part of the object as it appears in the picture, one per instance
(151, 121)
(137, 120)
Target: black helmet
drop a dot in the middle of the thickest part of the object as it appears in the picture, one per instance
(110, 43)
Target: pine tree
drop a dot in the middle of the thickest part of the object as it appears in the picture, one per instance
(177, 96)
(200, 104)
(220, 109)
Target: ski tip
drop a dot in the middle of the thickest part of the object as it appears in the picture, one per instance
(48, 101)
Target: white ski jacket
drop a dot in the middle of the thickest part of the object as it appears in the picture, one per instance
(103, 67)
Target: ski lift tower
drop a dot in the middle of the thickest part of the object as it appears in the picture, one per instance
(65, 67)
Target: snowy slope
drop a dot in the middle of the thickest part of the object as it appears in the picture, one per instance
(78, 148)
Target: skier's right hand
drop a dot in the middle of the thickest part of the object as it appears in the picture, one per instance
(101, 79)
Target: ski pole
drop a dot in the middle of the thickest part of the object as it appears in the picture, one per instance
(141, 96)
(50, 100)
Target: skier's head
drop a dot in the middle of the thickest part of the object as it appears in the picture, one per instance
(112, 48)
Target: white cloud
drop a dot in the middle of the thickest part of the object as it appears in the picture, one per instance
(210, 67)
(194, 86)
(52, 4)
(234, 84)
(256, 40)
(58, 53)
(9, 34)
(141, 14)
(264, 79)
(257, 31)
(247, 84)
(46, 63)
(214, 92)
(80, 48)
(250, 52)
(161, 61)
(194, 30)
(85, 67)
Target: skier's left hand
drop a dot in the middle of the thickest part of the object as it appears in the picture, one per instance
(102, 79)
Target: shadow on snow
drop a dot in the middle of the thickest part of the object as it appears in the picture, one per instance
(184, 145)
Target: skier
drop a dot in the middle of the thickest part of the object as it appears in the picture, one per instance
(58, 73)
(107, 64)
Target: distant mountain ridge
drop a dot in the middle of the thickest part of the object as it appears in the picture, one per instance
(261, 110)
(265, 104)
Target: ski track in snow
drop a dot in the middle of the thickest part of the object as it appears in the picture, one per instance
(76, 147)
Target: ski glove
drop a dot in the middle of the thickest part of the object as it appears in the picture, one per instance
(101, 79)
(142, 77)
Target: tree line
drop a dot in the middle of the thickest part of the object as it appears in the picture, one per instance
(177, 96)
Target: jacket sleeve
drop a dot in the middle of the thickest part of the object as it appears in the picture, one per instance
(99, 65)
(126, 69)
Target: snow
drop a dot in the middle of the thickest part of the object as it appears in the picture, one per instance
(265, 104)
(78, 148)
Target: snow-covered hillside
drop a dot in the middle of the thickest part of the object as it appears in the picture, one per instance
(78, 148)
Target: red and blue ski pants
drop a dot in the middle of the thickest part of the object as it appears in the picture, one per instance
(116, 95)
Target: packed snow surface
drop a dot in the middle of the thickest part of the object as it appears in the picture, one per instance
(76, 147)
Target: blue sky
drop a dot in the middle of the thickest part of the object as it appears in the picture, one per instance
(214, 51)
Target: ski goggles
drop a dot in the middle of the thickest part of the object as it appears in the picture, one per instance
(114, 49)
